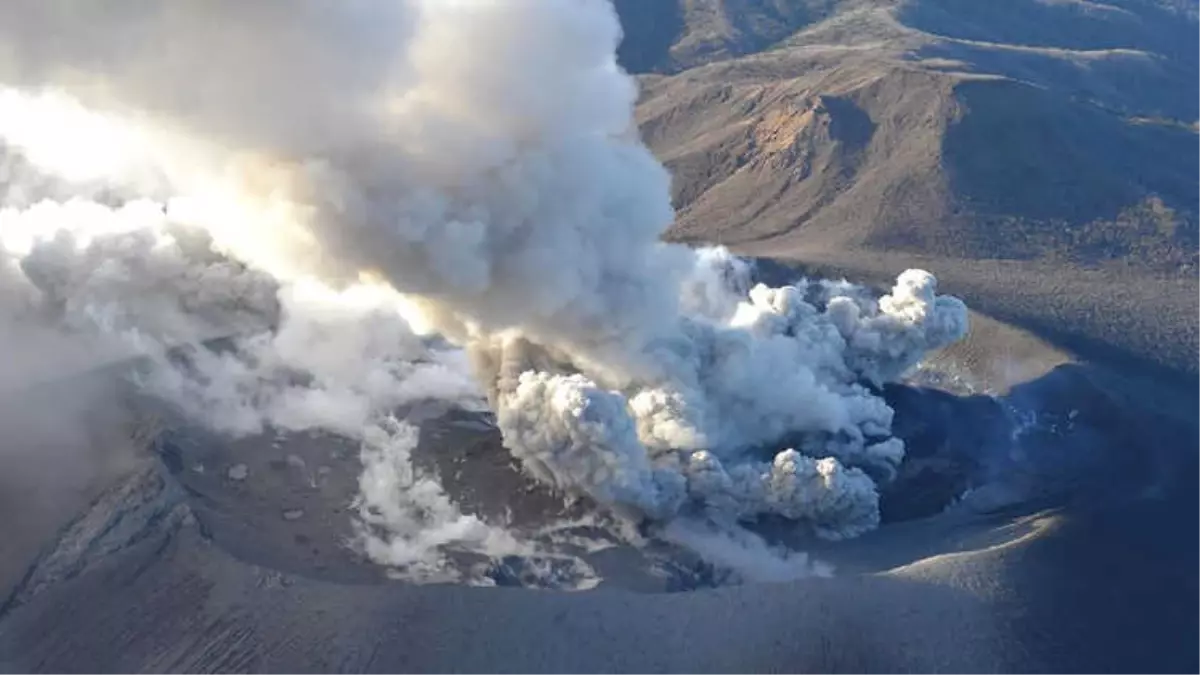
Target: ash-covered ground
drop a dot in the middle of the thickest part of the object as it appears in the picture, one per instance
(287, 501)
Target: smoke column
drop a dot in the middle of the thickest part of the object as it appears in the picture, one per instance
(321, 175)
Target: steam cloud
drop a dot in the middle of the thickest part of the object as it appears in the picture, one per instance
(319, 177)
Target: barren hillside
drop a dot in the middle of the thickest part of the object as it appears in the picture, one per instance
(1056, 138)
(1028, 130)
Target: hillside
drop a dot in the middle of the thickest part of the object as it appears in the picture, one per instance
(1030, 130)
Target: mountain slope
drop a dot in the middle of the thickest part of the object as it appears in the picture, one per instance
(1061, 130)
(672, 35)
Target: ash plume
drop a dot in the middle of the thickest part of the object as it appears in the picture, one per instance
(338, 170)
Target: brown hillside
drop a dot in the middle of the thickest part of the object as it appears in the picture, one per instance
(903, 126)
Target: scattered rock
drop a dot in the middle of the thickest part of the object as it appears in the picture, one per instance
(238, 472)
(296, 461)
(293, 514)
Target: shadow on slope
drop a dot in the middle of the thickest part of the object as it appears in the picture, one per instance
(1038, 172)
(1143, 25)
(1134, 84)
(667, 36)
(650, 27)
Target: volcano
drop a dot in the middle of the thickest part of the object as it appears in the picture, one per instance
(709, 336)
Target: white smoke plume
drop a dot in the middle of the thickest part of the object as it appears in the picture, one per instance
(479, 157)
(304, 357)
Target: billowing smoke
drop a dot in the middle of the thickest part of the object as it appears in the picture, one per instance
(304, 357)
(316, 175)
